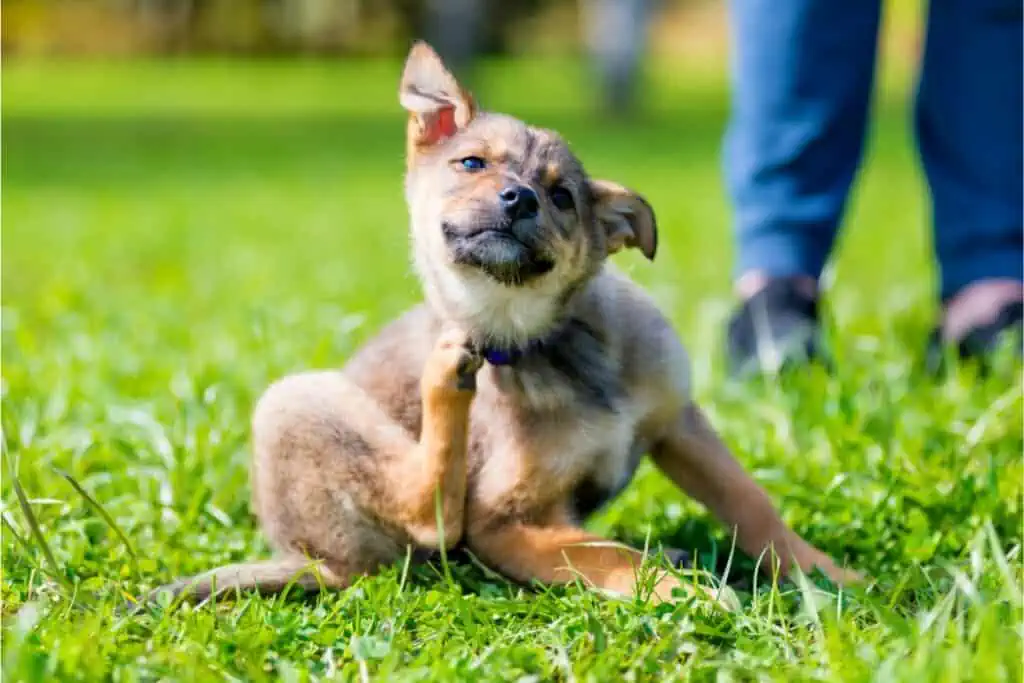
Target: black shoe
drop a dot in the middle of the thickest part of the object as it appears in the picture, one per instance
(775, 329)
(980, 342)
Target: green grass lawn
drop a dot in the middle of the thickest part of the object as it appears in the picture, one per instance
(178, 236)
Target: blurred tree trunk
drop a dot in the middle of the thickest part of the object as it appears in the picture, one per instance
(617, 33)
(174, 21)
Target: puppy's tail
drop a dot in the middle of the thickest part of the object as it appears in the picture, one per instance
(266, 577)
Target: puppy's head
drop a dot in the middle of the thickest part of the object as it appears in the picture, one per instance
(506, 225)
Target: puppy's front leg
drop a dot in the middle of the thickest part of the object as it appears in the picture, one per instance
(695, 458)
(560, 554)
(438, 461)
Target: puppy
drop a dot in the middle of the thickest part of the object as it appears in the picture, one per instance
(510, 405)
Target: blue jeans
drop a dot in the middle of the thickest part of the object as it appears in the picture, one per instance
(803, 71)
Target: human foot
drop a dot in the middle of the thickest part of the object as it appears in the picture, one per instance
(978, 319)
(775, 326)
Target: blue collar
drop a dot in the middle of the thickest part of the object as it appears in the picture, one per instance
(496, 356)
(503, 356)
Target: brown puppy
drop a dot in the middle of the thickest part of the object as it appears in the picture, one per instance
(516, 400)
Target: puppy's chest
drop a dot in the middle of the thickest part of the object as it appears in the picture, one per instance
(559, 427)
(582, 460)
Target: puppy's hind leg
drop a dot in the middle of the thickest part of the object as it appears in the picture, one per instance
(336, 477)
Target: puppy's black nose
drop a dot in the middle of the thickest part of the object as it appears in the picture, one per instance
(518, 202)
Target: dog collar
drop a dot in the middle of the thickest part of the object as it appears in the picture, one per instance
(503, 356)
(496, 356)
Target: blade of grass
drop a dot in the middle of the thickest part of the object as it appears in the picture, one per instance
(94, 504)
(21, 541)
(1010, 589)
(724, 581)
(405, 568)
(37, 532)
(439, 517)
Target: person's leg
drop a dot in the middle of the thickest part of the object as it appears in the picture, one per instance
(802, 74)
(969, 115)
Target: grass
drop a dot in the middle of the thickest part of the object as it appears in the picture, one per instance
(178, 235)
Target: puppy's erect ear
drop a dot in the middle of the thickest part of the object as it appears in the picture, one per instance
(627, 218)
(437, 104)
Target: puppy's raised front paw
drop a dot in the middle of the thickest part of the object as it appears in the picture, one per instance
(453, 364)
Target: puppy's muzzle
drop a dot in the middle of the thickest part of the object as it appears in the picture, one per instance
(508, 246)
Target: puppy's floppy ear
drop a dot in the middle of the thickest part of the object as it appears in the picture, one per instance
(627, 218)
(437, 104)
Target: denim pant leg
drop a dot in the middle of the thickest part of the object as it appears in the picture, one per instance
(802, 74)
(969, 120)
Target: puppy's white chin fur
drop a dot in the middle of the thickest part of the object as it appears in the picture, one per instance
(488, 310)
(485, 309)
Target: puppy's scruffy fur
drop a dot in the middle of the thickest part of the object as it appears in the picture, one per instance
(510, 238)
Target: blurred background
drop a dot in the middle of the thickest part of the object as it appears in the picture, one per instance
(222, 162)
(618, 35)
(126, 28)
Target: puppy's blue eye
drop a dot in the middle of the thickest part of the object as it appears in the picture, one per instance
(472, 163)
